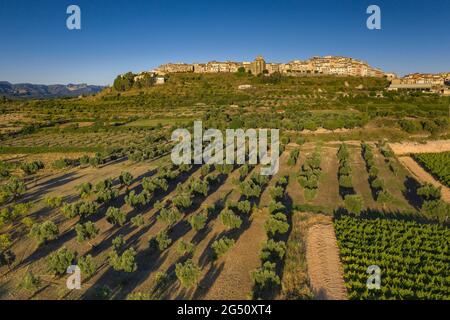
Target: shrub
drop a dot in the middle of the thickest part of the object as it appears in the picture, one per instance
(126, 178)
(383, 196)
(86, 231)
(59, 261)
(185, 248)
(273, 251)
(103, 185)
(230, 220)
(83, 209)
(14, 188)
(125, 262)
(27, 222)
(53, 202)
(30, 282)
(161, 241)
(135, 200)
(116, 216)
(31, 167)
(118, 243)
(345, 182)
(244, 206)
(6, 255)
(276, 193)
(107, 195)
(205, 169)
(221, 246)
(138, 221)
(429, 192)
(183, 200)
(353, 204)
(198, 221)
(265, 279)
(87, 266)
(275, 207)
(44, 232)
(85, 189)
(436, 209)
(187, 273)
(169, 216)
(63, 163)
(276, 224)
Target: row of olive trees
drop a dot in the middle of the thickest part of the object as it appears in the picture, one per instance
(377, 184)
(266, 279)
(310, 174)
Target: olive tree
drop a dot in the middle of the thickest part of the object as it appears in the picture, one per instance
(87, 266)
(230, 220)
(187, 273)
(86, 231)
(353, 204)
(116, 216)
(125, 262)
(221, 246)
(126, 178)
(44, 232)
(59, 261)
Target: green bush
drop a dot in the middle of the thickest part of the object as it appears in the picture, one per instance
(59, 261)
(116, 216)
(230, 220)
(187, 273)
(125, 262)
(276, 224)
(273, 251)
(44, 232)
(198, 221)
(353, 204)
(86, 231)
(185, 248)
(87, 266)
(221, 246)
(169, 216)
(161, 241)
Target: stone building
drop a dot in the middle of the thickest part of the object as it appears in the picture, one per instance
(258, 65)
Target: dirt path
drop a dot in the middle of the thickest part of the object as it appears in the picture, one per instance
(415, 147)
(324, 267)
(418, 172)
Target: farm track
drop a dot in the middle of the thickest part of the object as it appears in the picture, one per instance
(418, 172)
(414, 147)
(324, 267)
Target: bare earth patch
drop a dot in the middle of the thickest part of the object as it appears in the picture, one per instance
(324, 267)
(418, 172)
(415, 147)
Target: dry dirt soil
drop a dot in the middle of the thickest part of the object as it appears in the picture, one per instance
(324, 267)
(415, 147)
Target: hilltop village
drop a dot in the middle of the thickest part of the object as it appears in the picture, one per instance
(316, 66)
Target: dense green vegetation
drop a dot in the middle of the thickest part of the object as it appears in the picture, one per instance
(436, 163)
(413, 257)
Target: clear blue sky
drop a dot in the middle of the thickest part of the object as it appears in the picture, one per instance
(131, 35)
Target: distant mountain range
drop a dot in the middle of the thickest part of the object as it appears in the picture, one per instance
(38, 91)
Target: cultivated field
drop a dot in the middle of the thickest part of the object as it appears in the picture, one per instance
(90, 182)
